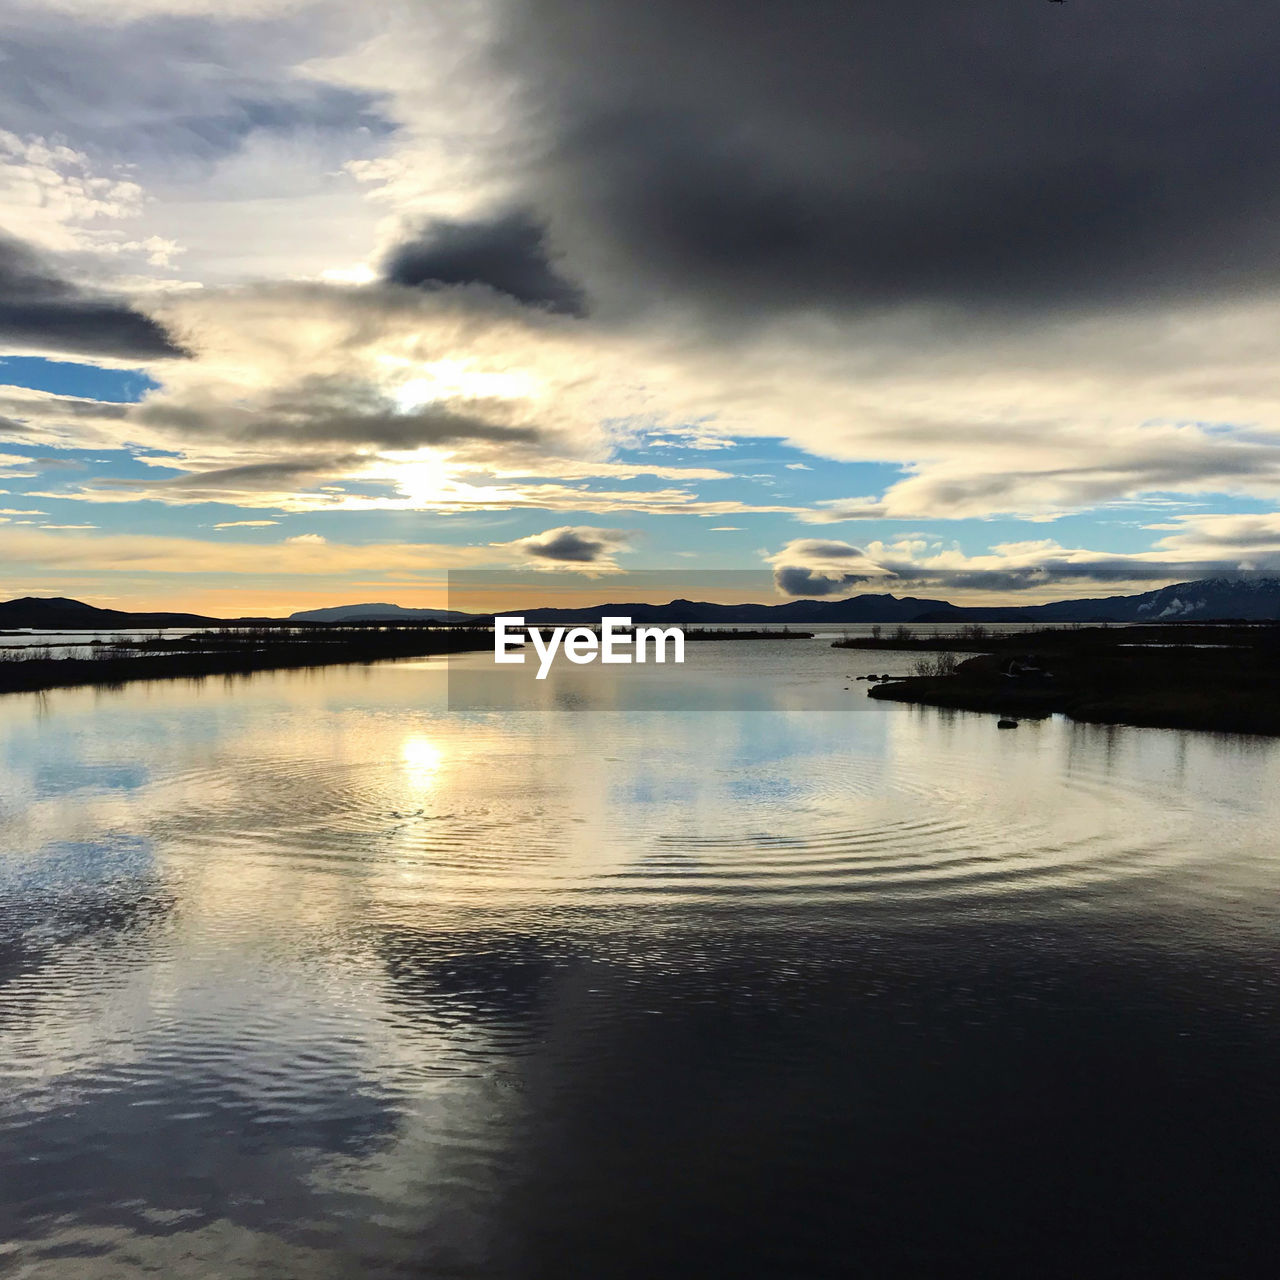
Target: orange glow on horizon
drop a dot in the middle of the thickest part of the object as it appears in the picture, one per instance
(507, 592)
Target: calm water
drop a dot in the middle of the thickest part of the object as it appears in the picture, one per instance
(718, 971)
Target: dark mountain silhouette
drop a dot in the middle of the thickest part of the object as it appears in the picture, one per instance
(1254, 599)
(376, 613)
(56, 613)
(1203, 600)
(864, 608)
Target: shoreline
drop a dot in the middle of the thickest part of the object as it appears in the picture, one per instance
(237, 656)
(747, 635)
(1178, 687)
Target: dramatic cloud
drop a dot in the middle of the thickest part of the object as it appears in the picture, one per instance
(574, 547)
(807, 567)
(795, 580)
(509, 254)
(40, 311)
(1154, 458)
(1247, 541)
(1009, 261)
(357, 374)
(854, 156)
(1203, 545)
(293, 387)
(376, 367)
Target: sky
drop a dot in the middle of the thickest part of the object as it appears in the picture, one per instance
(308, 302)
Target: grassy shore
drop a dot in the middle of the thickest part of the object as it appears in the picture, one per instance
(1219, 678)
(228, 652)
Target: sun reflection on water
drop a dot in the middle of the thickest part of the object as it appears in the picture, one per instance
(422, 760)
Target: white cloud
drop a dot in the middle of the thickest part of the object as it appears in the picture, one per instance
(51, 196)
(13, 466)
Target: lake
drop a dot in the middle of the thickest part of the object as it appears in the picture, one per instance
(423, 969)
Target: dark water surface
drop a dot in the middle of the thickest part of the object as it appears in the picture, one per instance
(721, 971)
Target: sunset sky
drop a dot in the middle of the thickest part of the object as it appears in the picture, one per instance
(308, 303)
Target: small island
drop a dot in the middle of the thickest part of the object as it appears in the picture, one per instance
(1180, 676)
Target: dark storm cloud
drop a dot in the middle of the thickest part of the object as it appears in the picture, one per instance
(40, 309)
(814, 567)
(509, 253)
(569, 545)
(795, 580)
(986, 154)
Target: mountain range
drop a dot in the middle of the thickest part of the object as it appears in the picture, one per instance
(378, 613)
(1204, 600)
(1253, 599)
(56, 613)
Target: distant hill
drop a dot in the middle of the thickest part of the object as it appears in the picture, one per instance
(1255, 599)
(377, 613)
(59, 614)
(864, 608)
(1203, 600)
